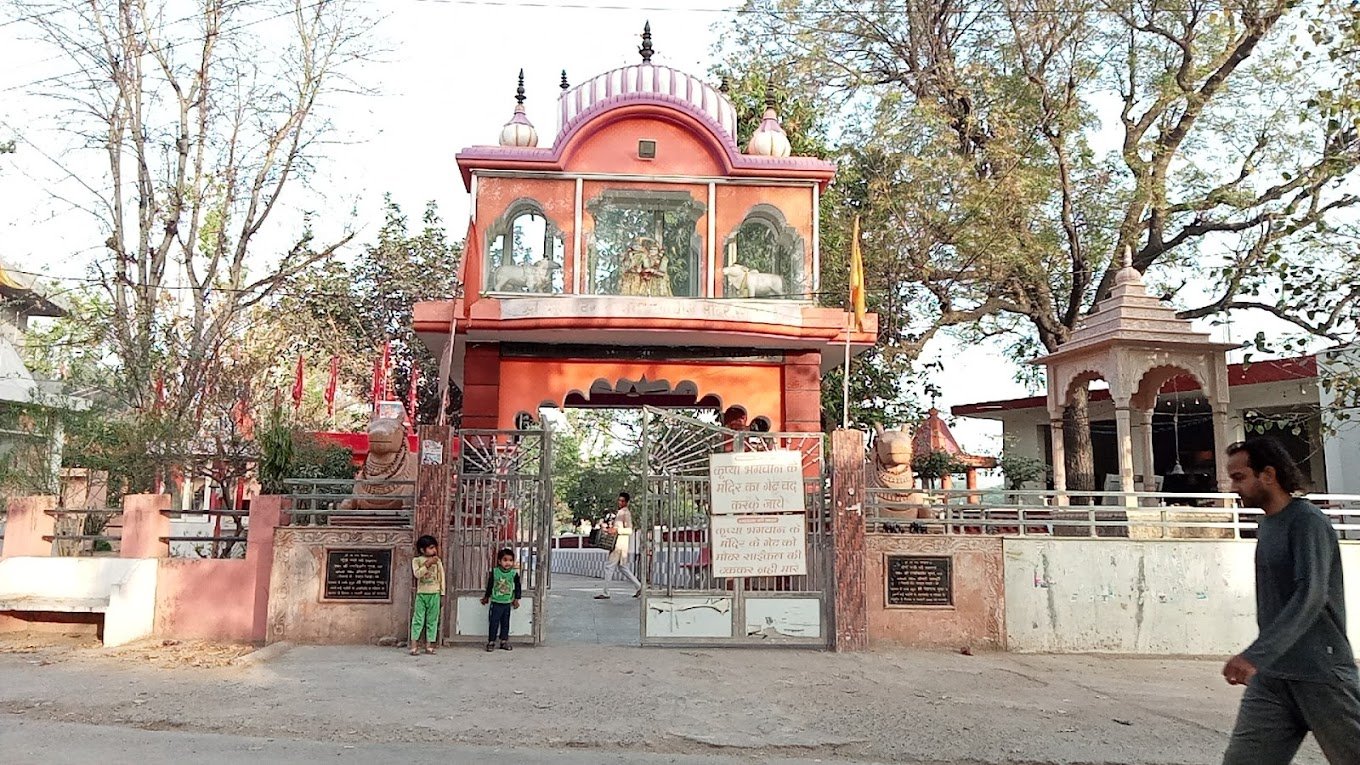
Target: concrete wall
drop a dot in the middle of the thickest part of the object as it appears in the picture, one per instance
(1342, 446)
(123, 589)
(1153, 597)
(206, 599)
(976, 619)
(297, 612)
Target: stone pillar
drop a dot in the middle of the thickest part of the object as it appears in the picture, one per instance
(1222, 439)
(266, 514)
(1149, 461)
(1059, 459)
(26, 526)
(432, 483)
(143, 526)
(1124, 443)
(850, 607)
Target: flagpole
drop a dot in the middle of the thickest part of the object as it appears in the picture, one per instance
(845, 382)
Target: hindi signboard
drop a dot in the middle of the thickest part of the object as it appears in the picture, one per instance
(359, 573)
(747, 483)
(759, 545)
(920, 580)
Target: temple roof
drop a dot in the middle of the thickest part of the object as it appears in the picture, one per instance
(23, 293)
(933, 436)
(1129, 316)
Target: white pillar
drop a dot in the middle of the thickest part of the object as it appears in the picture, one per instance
(1149, 461)
(1124, 443)
(1222, 439)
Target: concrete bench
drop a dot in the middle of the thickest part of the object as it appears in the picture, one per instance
(122, 589)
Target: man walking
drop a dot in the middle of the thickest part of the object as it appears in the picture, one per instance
(1300, 673)
(622, 526)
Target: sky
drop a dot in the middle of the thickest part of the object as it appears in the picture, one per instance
(445, 82)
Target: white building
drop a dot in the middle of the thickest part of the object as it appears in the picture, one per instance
(1290, 398)
(30, 433)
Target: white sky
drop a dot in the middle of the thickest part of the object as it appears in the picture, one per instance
(447, 83)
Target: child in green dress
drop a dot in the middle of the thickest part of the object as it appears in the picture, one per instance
(428, 570)
(502, 594)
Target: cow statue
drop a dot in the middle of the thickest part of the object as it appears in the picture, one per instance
(389, 459)
(889, 467)
(744, 282)
(535, 277)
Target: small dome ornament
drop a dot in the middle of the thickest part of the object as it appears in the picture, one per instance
(1128, 274)
(769, 140)
(519, 131)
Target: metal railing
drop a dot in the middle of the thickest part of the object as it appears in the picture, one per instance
(1138, 515)
(178, 542)
(316, 502)
(77, 543)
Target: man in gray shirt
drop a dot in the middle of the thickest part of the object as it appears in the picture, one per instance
(1300, 673)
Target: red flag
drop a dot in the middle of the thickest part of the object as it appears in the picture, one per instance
(297, 383)
(160, 392)
(413, 394)
(331, 385)
(380, 375)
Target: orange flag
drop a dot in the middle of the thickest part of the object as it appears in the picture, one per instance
(857, 279)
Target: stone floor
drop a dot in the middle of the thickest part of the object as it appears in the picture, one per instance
(575, 617)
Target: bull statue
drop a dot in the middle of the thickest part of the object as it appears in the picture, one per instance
(746, 283)
(535, 277)
(389, 459)
(890, 468)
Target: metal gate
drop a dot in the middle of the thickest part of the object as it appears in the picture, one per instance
(682, 602)
(502, 499)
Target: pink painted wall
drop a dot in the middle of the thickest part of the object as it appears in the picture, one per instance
(205, 599)
(225, 600)
(976, 620)
(27, 524)
(143, 526)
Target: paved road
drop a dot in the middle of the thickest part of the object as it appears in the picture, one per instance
(36, 742)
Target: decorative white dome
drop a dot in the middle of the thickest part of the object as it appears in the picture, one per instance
(519, 131)
(769, 140)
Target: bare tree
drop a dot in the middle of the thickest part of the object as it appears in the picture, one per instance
(204, 123)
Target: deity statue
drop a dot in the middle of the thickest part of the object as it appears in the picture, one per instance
(645, 270)
(388, 460)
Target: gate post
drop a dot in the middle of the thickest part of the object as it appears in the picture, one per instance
(431, 514)
(849, 608)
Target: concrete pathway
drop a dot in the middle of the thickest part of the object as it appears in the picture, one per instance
(575, 617)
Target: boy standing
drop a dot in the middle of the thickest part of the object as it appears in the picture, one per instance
(428, 569)
(502, 593)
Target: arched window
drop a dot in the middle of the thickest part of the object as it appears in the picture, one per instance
(764, 258)
(524, 251)
(645, 243)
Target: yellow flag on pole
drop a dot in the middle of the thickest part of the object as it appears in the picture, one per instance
(857, 279)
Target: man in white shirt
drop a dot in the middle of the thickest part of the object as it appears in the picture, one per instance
(618, 559)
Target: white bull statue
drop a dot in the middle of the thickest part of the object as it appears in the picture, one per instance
(744, 282)
(535, 277)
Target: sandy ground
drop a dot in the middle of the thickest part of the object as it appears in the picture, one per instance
(745, 704)
(592, 695)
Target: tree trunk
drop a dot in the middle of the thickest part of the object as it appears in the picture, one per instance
(1079, 461)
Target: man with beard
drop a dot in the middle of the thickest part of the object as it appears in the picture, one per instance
(1300, 673)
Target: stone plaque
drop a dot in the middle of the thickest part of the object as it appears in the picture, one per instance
(920, 580)
(360, 573)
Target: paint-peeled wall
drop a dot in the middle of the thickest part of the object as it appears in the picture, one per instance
(1154, 597)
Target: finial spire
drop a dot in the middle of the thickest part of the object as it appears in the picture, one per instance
(724, 85)
(769, 92)
(519, 91)
(1128, 256)
(646, 49)
(564, 84)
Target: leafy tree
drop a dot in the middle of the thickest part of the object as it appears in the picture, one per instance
(991, 207)
(350, 309)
